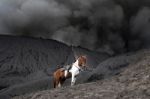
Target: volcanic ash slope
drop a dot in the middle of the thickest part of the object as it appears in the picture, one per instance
(26, 64)
(132, 83)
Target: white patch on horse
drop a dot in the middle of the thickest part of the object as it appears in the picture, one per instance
(74, 71)
(59, 85)
(66, 72)
(75, 68)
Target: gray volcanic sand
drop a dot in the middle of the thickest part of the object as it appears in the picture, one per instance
(132, 83)
(26, 64)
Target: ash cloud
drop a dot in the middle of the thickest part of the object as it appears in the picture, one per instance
(141, 26)
(32, 17)
(114, 26)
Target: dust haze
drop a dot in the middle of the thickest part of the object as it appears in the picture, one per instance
(115, 26)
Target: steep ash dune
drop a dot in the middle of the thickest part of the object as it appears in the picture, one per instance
(26, 55)
(132, 83)
(26, 64)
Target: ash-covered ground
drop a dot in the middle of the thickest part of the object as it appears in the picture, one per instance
(133, 82)
(27, 64)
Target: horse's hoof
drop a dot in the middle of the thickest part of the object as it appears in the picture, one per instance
(72, 84)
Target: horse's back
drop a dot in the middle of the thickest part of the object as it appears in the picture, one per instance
(59, 73)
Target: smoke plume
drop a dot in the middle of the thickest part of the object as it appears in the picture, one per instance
(114, 26)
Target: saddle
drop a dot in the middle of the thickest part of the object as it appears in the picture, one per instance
(67, 67)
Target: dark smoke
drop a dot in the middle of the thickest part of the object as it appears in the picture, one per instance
(114, 26)
(141, 25)
(32, 17)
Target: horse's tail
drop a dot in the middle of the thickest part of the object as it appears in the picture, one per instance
(54, 82)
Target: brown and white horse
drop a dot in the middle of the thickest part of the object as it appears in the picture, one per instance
(60, 75)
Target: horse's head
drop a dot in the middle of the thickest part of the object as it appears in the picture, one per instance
(82, 61)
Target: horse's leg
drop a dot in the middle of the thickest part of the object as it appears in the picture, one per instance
(73, 79)
(59, 84)
(62, 80)
(56, 82)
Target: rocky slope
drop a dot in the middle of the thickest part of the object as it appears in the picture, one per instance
(132, 82)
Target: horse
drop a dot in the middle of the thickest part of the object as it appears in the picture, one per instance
(60, 75)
